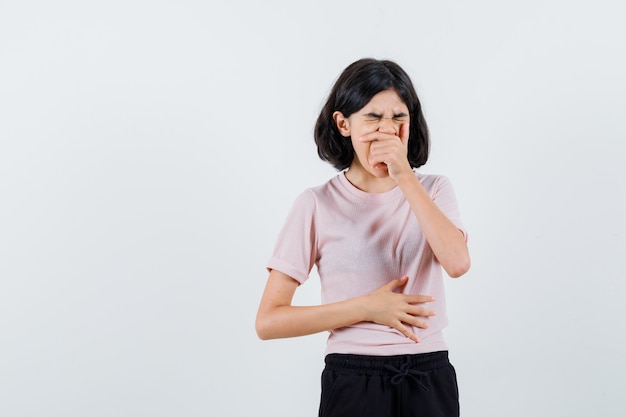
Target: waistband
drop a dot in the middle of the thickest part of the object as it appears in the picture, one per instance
(397, 367)
(376, 365)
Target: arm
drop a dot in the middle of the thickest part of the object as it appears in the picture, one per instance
(445, 239)
(277, 318)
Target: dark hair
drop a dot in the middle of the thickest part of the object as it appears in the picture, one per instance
(354, 88)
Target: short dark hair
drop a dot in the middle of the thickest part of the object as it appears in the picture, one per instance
(354, 88)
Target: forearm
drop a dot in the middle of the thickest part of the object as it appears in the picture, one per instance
(277, 318)
(291, 321)
(445, 239)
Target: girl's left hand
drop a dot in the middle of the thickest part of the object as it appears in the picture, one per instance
(390, 150)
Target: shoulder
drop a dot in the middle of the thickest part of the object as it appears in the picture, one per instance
(322, 191)
(434, 182)
(317, 195)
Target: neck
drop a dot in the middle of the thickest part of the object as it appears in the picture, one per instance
(369, 183)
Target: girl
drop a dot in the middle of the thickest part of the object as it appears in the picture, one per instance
(379, 234)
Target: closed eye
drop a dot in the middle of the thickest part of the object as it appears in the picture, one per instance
(372, 117)
(375, 117)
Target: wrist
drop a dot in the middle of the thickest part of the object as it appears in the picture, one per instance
(405, 176)
(361, 308)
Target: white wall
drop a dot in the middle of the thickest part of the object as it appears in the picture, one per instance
(149, 152)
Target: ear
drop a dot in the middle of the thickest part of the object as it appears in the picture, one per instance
(342, 122)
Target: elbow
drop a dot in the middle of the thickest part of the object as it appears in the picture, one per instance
(459, 268)
(262, 329)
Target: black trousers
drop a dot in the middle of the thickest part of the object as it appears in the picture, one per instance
(422, 385)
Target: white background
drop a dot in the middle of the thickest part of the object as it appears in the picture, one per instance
(149, 152)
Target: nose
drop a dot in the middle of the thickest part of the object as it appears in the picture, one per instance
(387, 125)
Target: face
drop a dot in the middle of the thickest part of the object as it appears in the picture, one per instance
(386, 112)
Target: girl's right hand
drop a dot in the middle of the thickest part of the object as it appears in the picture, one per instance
(388, 307)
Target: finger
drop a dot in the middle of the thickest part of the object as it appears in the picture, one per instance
(387, 150)
(385, 146)
(419, 298)
(406, 332)
(377, 135)
(420, 311)
(415, 322)
(397, 283)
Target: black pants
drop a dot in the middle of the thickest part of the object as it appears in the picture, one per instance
(422, 385)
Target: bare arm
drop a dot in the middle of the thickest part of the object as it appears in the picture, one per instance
(277, 318)
(445, 239)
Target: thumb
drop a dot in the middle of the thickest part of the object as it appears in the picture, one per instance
(404, 133)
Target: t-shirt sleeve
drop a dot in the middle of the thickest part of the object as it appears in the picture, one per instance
(445, 199)
(296, 247)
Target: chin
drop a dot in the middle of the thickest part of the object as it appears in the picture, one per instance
(380, 172)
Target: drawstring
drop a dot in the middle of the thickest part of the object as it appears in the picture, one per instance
(404, 371)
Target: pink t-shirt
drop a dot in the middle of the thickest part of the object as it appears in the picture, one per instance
(359, 241)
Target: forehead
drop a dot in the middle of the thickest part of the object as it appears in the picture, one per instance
(386, 100)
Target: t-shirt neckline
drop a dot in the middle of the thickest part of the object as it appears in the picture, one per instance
(376, 198)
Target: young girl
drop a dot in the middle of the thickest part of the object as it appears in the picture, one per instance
(379, 234)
